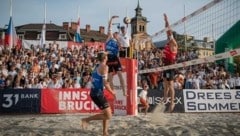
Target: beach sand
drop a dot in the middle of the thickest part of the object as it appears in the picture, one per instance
(152, 124)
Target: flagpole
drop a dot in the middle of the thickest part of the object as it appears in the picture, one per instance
(45, 13)
(43, 33)
(78, 12)
(11, 8)
(11, 26)
(109, 14)
(45, 21)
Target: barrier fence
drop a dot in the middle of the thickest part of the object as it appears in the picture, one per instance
(47, 101)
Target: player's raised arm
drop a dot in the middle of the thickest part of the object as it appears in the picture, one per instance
(169, 33)
(110, 34)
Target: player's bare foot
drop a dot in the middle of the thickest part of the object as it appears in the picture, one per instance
(105, 134)
(84, 123)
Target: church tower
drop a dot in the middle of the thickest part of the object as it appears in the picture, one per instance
(139, 22)
(139, 30)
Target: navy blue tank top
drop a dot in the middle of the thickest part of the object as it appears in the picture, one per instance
(112, 47)
(97, 82)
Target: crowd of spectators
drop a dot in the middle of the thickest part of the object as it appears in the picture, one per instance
(52, 67)
(56, 67)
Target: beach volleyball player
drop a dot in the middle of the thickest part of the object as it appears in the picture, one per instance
(170, 52)
(112, 47)
(99, 81)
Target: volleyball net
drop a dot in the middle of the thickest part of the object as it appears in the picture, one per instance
(201, 29)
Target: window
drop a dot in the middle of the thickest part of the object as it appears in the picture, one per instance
(21, 36)
(62, 37)
(38, 36)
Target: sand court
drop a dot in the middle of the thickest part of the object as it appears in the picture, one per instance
(165, 124)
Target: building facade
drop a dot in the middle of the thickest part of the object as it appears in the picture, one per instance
(139, 34)
(60, 33)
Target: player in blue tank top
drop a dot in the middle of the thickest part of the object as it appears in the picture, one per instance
(99, 81)
(112, 47)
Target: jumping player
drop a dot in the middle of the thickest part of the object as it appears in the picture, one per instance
(112, 47)
(99, 80)
(170, 52)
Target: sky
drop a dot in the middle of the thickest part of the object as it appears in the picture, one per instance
(96, 12)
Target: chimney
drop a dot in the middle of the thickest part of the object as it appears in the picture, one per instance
(88, 28)
(65, 25)
(74, 25)
(101, 29)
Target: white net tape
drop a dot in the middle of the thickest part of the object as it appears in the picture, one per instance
(232, 53)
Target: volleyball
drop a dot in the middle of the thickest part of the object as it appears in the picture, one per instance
(127, 20)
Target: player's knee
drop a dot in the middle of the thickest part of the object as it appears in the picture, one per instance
(108, 114)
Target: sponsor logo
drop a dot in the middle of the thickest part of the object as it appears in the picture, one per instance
(156, 100)
(211, 101)
(75, 100)
(234, 52)
(10, 100)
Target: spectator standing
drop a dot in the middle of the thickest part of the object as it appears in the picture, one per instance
(231, 82)
(196, 82)
(144, 99)
(125, 41)
(237, 81)
(54, 83)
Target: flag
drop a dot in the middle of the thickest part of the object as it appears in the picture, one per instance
(2, 39)
(43, 33)
(11, 35)
(43, 36)
(78, 37)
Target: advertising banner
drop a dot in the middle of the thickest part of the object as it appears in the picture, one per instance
(120, 103)
(69, 101)
(155, 96)
(212, 100)
(126, 105)
(20, 101)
